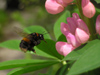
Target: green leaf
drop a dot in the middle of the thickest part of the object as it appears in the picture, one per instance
(74, 55)
(37, 29)
(63, 18)
(89, 60)
(28, 69)
(43, 74)
(11, 44)
(62, 70)
(50, 71)
(62, 38)
(21, 63)
(98, 1)
(48, 49)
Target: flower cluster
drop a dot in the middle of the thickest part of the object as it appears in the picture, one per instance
(76, 33)
(57, 6)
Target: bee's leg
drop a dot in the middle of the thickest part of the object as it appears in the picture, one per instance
(33, 50)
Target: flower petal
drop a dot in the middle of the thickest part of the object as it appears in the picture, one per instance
(75, 16)
(64, 28)
(81, 35)
(72, 40)
(64, 48)
(71, 25)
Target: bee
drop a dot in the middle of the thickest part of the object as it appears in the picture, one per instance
(29, 40)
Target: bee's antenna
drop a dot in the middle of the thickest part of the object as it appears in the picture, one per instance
(44, 41)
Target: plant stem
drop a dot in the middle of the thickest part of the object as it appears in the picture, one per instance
(88, 21)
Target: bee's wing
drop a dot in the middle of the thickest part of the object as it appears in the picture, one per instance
(20, 32)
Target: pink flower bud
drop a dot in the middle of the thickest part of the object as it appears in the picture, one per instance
(88, 8)
(75, 16)
(64, 48)
(98, 24)
(53, 7)
(81, 35)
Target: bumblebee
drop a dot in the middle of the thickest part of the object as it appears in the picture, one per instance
(30, 40)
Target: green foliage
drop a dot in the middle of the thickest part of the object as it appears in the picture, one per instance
(28, 69)
(3, 17)
(62, 70)
(62, 38)
(74, 55)
(11, 44)
(48, 49)
(23, 63)
(89, 60)
(98, 1)
(63, 18)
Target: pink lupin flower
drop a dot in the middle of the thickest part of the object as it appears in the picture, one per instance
(76, 33)
(56, 6)
(75, 24)
(88, 8)
(98, 24)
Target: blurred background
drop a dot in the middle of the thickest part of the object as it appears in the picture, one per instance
(23, 13)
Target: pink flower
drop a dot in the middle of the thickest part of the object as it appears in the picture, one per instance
(56, 6)
(98, 24)
(88, 8)
(76, 32)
